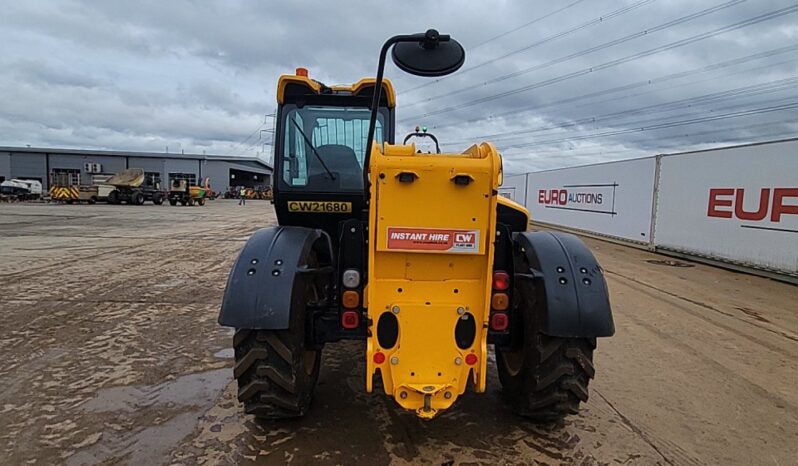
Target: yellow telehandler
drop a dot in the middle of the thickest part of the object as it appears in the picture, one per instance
(414, 253)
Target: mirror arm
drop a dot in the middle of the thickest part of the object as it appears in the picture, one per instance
(375, 105)
(375, 101)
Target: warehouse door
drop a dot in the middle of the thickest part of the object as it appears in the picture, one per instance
(191, 177)
(64, 177)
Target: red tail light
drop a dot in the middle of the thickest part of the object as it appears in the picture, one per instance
(350, 319)
(501, 281)
(379, 357)
(499, 322)
(471, 359)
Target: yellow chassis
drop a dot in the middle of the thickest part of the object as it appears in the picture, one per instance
(430, 264)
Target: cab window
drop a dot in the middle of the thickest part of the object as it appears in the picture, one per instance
(324, 147)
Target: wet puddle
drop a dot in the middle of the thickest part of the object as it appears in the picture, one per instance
(169, 411)
(226, 353)
(199, 389)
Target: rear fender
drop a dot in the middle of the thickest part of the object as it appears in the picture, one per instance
(271, 275)
(558, 273)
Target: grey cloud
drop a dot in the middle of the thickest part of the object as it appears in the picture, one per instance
(30, 71)
(201, 75)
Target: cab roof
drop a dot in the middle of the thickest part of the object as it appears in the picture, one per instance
(289, 84)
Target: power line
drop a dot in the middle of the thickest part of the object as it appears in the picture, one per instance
(645, 83)
(510, 156)
(744, 91)
(680, 43)
(246, 139)
(506, 145)
(659, 126)
(536, 20)
(612, 43)
(509, 159)
(594, 21)
(251, 134)
(683, 115)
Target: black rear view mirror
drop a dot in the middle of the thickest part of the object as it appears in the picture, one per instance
(428, 54)
(431, 56)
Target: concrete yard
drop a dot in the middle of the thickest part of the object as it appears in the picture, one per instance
(111, 354)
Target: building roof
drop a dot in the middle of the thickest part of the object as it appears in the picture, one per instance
(113, 153)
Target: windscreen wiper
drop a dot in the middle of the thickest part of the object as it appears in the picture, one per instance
(310, 144)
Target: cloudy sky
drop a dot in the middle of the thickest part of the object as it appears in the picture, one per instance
(551, 83)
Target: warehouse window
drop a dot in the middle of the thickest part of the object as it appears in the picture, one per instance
(152, 179)
(64, 177)
(191, 177)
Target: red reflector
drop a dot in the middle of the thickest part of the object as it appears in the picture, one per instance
(379, 358)
(471, 359)
(499, 322)
(501, 281)
(350, 319)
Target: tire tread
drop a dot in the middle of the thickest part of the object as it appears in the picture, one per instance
(555, 381)
(267, 376)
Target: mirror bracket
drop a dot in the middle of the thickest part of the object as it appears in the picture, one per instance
(411, 59)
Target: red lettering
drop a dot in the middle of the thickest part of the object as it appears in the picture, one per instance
(739, 207)
(714, 202)
(778, 203)
(553, 196)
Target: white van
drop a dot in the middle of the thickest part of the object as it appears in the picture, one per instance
(34, 187)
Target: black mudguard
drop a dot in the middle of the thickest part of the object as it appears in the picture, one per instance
(271, 275)
(558, 273)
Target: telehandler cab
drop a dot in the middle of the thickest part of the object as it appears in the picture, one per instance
(414, 253)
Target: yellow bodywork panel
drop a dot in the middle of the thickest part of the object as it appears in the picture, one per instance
(430, 265)
(354, 89)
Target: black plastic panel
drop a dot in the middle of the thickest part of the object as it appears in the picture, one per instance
(271, 275)
(558, 275)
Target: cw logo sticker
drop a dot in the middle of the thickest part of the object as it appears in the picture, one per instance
(433, 239)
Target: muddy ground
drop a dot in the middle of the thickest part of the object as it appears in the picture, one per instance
(111, 354)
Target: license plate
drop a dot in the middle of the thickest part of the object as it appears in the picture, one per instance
(320, 207)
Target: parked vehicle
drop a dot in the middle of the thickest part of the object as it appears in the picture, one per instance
(34, 187)
(413, 254)
(130, 187)
(184, 193)
(13, 190)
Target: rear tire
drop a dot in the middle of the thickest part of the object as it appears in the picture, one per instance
(276, 370)
(157, 198)
(136, 198)
(547, 378)
(173, 202)
(276, 374)
(113, 197)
